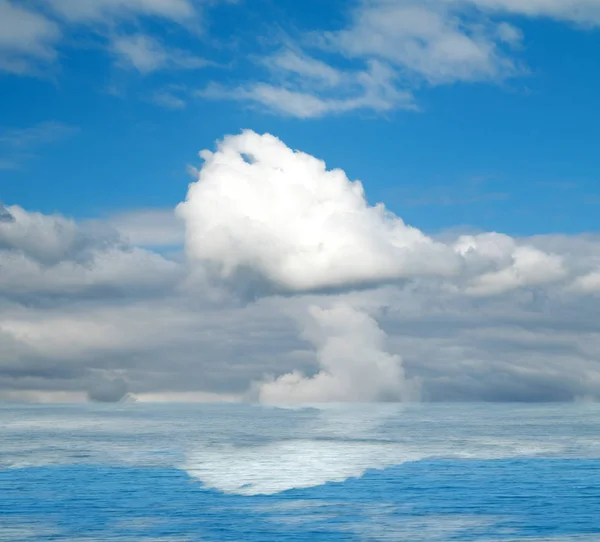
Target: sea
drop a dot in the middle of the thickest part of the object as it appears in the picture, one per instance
(233, 472)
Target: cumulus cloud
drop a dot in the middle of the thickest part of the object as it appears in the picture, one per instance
(262, 208)
(353, 364)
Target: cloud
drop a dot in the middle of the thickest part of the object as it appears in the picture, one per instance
(426, 39)
(585, 12)
(589, 283)
(19, 145)
(387, 50)
(90, 11)
(149, 227)
(384, 311)
(258, 206)
(353, 363)
(307, 88)
(29, 37)
(5, 215)
(394, 48)
(300, 64)
(41, 134)
(376, 61)
(146, 54)
(107, 390)
(168, 100)
(514, 266)
(263, 211)
(26, 38)
(44, 255)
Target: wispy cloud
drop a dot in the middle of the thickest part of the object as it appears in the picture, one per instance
(586, 12)
(168, 100)
(26, 38)
(30, 34)
(146, 55)
(466, 192)
(19, 145)
(393, 49)
(414, 43)
(92, 11)
(305, 88)
(378, 60)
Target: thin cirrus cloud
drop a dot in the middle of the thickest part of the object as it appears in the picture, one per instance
(20, 145)
(89, 11)
(146, 55)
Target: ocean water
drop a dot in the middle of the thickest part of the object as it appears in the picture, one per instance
(139, 472)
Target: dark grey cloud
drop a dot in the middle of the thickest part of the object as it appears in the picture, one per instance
(107, 390)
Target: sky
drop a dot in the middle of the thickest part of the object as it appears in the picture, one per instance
(268, 200)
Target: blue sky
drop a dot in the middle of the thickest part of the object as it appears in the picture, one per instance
(105, 116)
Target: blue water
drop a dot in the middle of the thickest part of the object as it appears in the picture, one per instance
(225, 473)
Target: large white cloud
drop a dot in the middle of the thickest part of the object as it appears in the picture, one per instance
(261, 209)
(259, 206)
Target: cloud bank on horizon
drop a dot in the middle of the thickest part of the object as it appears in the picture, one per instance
(342, 300)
